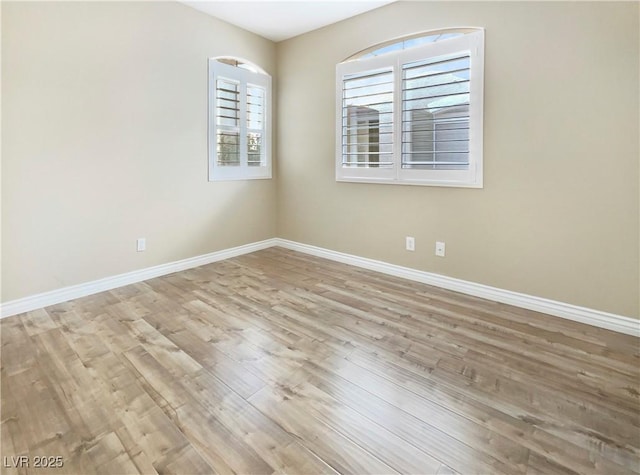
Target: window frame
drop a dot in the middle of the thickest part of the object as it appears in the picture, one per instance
(471, 43)
(244, 77)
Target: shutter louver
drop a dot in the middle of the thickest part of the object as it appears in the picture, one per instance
(367, 120)
(435, 114)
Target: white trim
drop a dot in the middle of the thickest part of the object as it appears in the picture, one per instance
(65, 294)
(597, 318)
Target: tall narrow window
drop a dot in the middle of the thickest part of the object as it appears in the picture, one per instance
(410, 111)
(239, 121)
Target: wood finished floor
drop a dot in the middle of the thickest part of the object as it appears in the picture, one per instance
(277, 362)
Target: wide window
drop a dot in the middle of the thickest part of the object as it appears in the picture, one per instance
(239, 121)
(410, 111)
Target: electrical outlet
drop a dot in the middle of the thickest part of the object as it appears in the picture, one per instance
(141, 244)
(410, 243)
(439, 249)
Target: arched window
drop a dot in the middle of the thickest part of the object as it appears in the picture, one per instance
(410, 110)
(239, 120)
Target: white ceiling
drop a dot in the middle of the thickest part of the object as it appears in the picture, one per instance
(280, 20)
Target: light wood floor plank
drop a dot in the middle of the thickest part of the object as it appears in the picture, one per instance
(337, 451)
(279, 362)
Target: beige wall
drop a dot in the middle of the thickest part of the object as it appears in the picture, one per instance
(558, 215)
(104, 141)
(104, 114)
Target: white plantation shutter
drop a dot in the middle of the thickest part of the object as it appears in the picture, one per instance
(227, 119)
(239, 123)
(256, 122)
(365, 127)
(435, 114)
(367, 120)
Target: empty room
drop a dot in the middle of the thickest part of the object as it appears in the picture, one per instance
(303, 237)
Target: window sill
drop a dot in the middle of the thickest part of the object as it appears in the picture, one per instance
(385, 181)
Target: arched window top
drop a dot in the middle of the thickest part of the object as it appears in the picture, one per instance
(240, 63)
(410, 41)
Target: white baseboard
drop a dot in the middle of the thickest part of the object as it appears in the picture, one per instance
(53, 297)
(610, 321)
